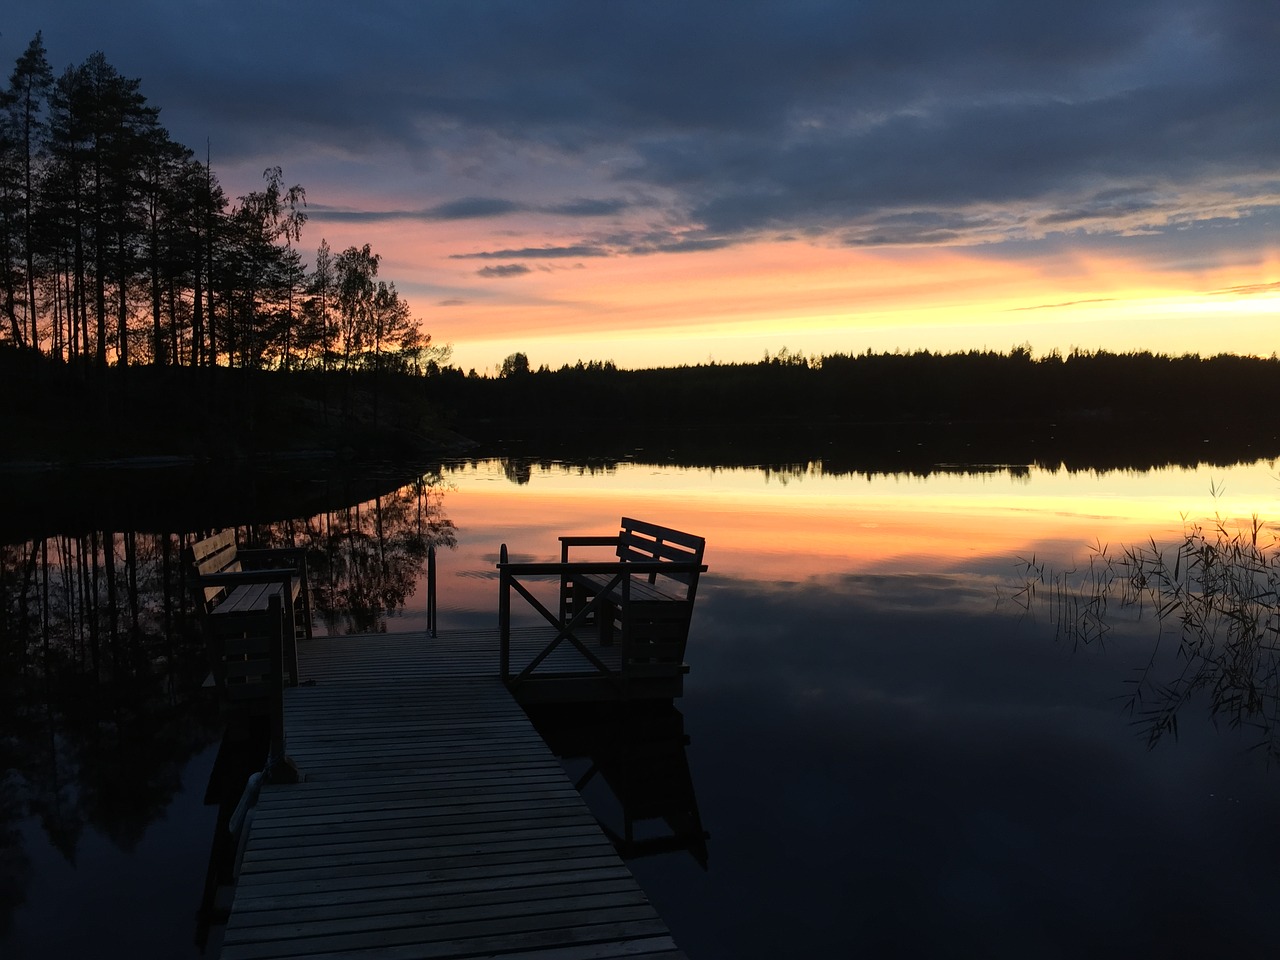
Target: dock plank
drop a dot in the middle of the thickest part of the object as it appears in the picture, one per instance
(432, 822)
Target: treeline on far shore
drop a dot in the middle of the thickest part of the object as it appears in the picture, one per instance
(976, 406)
(922, 387)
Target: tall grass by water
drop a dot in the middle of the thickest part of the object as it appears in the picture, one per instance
(1215, 599)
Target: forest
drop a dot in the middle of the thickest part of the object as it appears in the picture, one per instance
(118, 245)
(1098, 390)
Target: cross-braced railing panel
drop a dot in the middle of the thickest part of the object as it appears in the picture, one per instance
(609, 596)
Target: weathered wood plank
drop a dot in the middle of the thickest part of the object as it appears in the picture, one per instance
(515, 868)
(468, 940)
(284, 832)
(339, 843)
(446, 933)
(393, 900)
(443, 911)
(336, 897)
(432, 822)
(437, 853)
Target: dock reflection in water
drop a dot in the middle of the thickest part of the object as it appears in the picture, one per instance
(630, 762)
(240, 756)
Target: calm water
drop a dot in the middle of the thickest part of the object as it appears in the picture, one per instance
(891, 755)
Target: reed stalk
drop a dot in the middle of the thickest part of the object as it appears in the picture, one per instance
(1217, 591)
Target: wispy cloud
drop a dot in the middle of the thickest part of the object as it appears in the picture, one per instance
(503, 270)
(1249, 290)
(586, 207)
(536, 253)
(1065, 303)
(466, 208)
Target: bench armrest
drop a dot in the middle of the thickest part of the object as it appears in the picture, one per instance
(585, 541)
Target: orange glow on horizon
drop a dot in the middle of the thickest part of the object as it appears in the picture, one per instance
(760, 529)
(733, 304)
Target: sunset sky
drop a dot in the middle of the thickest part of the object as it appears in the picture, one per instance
(660, 183)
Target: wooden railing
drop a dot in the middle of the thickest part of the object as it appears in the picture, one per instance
(571, 619)
(280, 767)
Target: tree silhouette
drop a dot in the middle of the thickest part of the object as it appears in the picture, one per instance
(117, 245)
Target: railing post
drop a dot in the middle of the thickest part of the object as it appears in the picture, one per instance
(624, 614)
(565, 584)
(431, 591)
(504, 615)
(289, 667)
(279, 769)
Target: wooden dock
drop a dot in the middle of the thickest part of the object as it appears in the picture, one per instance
(433, 822)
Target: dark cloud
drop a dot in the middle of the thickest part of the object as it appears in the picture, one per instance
(466, 208)
(536, 253)
(1117, 206)
(920, 227)
(688, 245)
(990, 154)
(473, 208)
(616, 244)
(503, 270)
(585, 207)
(1002, 119)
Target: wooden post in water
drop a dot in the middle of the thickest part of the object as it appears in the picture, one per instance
(504, 615)
(279, 769)
(431, 591)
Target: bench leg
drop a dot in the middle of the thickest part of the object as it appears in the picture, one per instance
(581, 596)
(605, 615)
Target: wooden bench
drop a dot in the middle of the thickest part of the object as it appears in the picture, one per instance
(644, 595)
(254, 602)
(651, 610)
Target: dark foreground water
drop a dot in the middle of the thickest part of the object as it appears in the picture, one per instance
(887, 754)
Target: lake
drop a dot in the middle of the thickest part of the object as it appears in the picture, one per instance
(892, 749)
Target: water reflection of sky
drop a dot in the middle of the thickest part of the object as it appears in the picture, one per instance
(114, 899)
(939, 781)
(892, 757)
(775, 528)
(892, 760)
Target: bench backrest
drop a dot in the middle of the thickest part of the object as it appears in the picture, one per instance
(215, 554)
(638, 540)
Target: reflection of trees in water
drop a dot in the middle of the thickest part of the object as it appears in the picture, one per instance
(364, 559)
(917, 464)
(108, 605)
(15, 865)
(97, 668)
(517, 470)
(1219, 588)
(100, 664)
